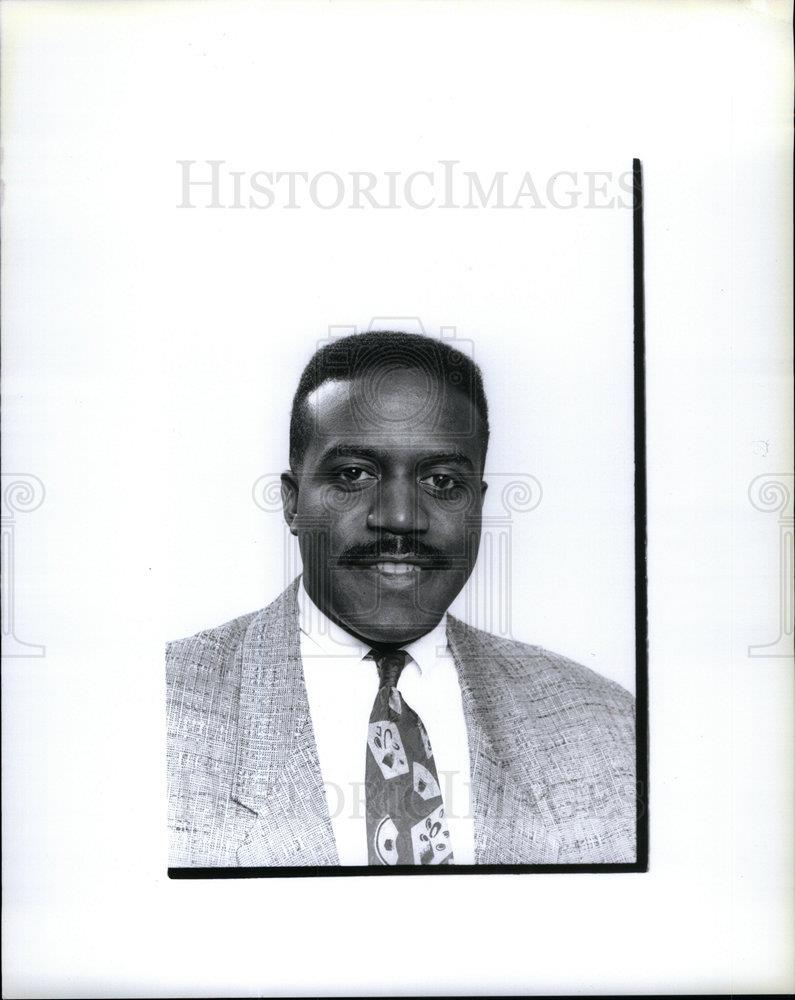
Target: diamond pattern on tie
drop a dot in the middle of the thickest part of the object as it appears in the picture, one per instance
(406, 823)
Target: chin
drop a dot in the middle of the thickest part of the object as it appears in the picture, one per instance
(397, 636)
(387, 612)
(394, 633)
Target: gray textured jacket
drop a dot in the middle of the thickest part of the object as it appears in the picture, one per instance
(551, 744)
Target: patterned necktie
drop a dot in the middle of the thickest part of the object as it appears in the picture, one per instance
(406, 824)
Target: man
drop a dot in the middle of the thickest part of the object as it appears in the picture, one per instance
(354, 721)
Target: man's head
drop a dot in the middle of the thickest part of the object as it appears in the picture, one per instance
(388, 439)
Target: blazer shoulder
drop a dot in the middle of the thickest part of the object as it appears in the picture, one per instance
(211, 648)
(547, 673)
(219, 635)
(558, 671)
(213, 651)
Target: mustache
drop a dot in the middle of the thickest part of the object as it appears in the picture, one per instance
(398, 546)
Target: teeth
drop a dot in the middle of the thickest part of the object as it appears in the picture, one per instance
(396, 569)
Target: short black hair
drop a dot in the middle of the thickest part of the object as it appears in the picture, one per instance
(360, 354)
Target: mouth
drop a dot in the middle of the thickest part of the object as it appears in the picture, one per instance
(396, 575)
(397, 568)
(394, 571)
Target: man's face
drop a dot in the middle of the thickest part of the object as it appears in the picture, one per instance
(387, 503)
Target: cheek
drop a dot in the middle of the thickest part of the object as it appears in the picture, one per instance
(330, 512)
(457, 532)
(459, 514)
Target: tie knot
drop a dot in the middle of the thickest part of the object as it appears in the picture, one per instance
(390, 663)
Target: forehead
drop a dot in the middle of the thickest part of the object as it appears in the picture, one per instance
(396, 408)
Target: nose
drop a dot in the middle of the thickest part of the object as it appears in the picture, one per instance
(397, 508)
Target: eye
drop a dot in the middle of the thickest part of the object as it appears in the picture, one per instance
(355, 475)
(441, 481)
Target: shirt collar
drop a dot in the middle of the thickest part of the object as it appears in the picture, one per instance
(333, 640)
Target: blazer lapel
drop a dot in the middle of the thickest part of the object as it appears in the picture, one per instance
(508, 811)
(277, 771)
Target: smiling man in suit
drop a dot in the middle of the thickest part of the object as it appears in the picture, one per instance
(354, 721)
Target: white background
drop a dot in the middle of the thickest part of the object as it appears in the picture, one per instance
(150, 356)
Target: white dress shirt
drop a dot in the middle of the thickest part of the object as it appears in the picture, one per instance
(341, 687)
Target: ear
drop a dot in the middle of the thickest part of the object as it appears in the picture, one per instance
(290, 499)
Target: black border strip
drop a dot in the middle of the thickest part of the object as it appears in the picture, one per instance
(641, 533)
(641, 644)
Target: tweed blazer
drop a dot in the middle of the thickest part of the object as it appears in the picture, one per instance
(551, 744)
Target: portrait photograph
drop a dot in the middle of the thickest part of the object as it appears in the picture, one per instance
(295, 735)
(397, 497)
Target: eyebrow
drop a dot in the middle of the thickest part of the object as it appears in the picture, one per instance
(356, 451)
